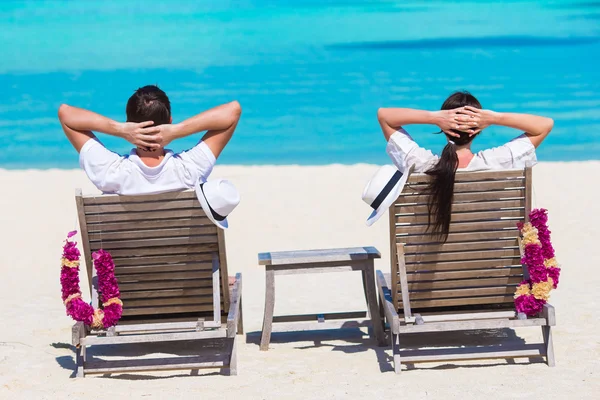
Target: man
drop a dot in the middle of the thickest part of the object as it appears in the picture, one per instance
(149, 168)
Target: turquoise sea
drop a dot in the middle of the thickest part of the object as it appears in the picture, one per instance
(310, 74)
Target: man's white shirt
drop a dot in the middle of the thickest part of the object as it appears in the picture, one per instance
(128, 175)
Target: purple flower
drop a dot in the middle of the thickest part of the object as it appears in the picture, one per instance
(529, 305)
(534, 260)
(112, 314)
(539, 219)
(79, 310)
(70, 251)
(107, 286)
(554, 273)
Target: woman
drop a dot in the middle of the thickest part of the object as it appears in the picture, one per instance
(461, 119)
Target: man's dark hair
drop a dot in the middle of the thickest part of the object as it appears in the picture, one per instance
(149, 103)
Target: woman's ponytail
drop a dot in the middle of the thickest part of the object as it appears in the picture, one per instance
(441, 192)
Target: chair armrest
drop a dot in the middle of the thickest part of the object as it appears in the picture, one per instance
(549, 315)
(77, 333)
(234, 306)
(385, 297)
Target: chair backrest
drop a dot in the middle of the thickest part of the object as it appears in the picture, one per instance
(165, 251)
(479, 266)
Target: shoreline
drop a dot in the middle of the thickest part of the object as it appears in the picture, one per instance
(5, 170)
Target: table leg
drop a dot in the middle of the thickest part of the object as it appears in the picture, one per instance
(269, 307)
(369, 282)
(364, 282)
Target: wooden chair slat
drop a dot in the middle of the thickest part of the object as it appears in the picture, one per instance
(462, 227)
(474, 176)
(160, 293)
(475, 282)
(482, 186)
(464, 265)
(418, 276)
(162, 259)
(462, 207)
(483, 300)
(459, 237)
(163, 268)
(157, 285)
(464, 216)
(165, 250)
(463, 255)
(93, 209)
(157, 310)
(129, 278)
(144, 198)
(100, 219)
(170, 301)
(417, 198)
(153, 234)
(461, 246)
(111, 245)
(128, 226)
(470, 292)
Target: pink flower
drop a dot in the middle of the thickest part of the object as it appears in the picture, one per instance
(554, 273)
(529, 305)
(107, 286)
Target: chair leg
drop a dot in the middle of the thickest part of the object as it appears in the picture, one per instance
(372, 305)
(240, 327)
(547, 334)
(233, 358)
(364, 282)
(79, 362)
(269, 308)
(395, 338)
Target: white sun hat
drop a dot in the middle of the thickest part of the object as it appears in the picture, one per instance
(383, 189)
(218, 199)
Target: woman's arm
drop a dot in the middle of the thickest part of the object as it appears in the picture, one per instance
(536, 127)
(79, 123)
(392, 119)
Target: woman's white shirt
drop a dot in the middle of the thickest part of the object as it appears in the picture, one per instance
(518, 153)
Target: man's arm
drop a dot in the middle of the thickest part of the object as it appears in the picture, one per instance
(220, 122)
(78, 125)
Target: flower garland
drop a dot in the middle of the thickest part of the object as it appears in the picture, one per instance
(538, 256)
(79, 310)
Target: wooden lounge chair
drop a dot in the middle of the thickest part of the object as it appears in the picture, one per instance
(171, 266)
(467, 283)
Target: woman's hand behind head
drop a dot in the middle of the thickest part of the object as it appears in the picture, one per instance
(461, 119)
(474, 120)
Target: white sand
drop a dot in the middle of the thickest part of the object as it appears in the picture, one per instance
(286, 208)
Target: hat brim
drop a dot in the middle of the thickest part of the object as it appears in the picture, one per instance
(204, 203)
(387, 202)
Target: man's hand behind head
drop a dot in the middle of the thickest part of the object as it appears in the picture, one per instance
(142, 134)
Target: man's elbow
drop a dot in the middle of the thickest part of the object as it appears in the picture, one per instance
(63, 112)
(236, 108)
(549, 125)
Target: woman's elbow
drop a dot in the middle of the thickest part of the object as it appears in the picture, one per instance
(235, 111)
(381, 115)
